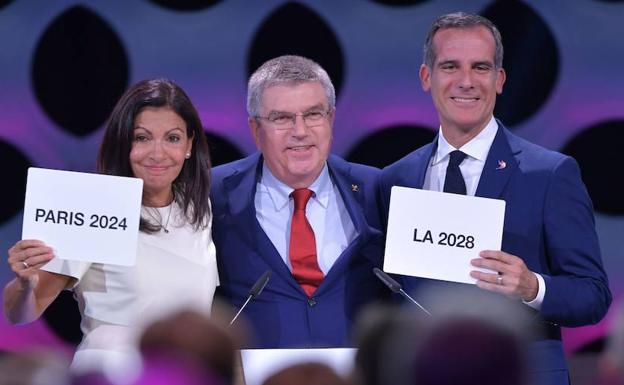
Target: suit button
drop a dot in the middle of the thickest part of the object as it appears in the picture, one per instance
(312, 302)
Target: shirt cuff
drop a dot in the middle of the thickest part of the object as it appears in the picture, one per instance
(541, 292)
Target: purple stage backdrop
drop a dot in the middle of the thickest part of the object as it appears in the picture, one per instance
(64, 63)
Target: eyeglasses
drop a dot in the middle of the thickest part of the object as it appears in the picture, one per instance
(287, 120)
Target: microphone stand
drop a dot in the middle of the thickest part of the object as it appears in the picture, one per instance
(256, 289)
(396, 287)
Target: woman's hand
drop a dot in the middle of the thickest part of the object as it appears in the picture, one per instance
(33, 290)
(26, 258)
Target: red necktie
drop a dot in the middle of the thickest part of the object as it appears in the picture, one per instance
(302, 249)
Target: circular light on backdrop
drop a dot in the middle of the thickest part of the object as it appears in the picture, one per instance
(4, 3)
(598, 151)
(222, 150)
(531, 60)
(14, 177)
(387, 145)
(400, 3)
(63, 317)
(185, 5)
(79, 70)
(295, 29)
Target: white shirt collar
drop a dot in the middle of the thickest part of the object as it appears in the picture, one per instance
(279, 192)
(477, 148)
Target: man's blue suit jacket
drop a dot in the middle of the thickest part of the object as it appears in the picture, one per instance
(549, 223)
(282, 315)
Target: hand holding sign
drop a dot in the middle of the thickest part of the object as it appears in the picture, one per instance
(514, 278)
(26, 257)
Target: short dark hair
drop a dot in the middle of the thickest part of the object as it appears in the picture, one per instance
(191, 187)
(461, 20)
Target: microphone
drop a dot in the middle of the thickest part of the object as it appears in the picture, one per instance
(396, 287)
(255, 290)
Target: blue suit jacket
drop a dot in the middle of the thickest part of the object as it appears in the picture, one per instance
(282, 315)
(549, 223)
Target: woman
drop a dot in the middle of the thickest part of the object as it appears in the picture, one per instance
(154, 133)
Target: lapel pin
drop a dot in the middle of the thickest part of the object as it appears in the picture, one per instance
(501, 165)
(355, 188)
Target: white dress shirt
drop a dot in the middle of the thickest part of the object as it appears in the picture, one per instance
(476, 150)
(326, 213)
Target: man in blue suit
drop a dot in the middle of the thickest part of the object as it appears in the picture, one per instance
(309, 217)
(550, 260)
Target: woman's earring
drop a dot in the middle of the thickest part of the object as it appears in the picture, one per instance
(188, 155)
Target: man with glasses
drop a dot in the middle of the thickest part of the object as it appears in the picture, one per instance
(309, 217)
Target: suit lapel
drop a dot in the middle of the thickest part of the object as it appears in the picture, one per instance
(500, 164)
(412, 173)
(351, 190)
(352, 193)
(421, 170)
(240, 188)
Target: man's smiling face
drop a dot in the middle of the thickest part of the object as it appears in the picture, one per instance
(295, 154)
(463, 80)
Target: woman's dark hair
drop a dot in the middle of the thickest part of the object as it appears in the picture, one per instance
(192, 186)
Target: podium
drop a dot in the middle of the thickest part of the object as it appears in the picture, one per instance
(259, 364)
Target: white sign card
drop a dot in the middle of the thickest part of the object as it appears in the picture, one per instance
(260, 364)
(435, 235)
(84, 217)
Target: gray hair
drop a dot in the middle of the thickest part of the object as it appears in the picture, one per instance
(461, 20)
(289, 69)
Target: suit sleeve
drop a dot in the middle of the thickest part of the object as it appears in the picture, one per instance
(577, 290)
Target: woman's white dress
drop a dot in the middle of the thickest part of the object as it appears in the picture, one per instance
(173, 270)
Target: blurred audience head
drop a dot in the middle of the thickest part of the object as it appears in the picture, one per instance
(33, 368)
(306, 374)
(468, 340)
(469, 351)
(166, 368)
(385, 337)
(192, 339)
